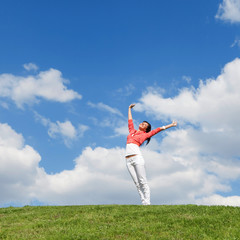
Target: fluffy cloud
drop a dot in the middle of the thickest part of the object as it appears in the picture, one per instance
(18, 167)
(104, 107)
(213, 104)
(65, 130)
(99, 175)
(47, 85)
(229, 10)
(122, 129)
(30, 66)
(219, 200)
(118, 124)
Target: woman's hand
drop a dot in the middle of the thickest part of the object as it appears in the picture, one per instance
(132, 105)
(174, 123)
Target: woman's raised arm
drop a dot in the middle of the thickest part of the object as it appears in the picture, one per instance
(130, 111)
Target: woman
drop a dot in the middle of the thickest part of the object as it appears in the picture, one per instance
(134, 159)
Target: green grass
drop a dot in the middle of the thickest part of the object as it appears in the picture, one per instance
(120, 222)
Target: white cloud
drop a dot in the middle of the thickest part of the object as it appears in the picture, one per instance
(99, 175)
(126, 91)
(65, 130)
(121, 129)
(113, 121)
(18, 167)
(81, 130)
(178, 173)
(214, 104)
(187, 78)
(220, 200)
(30, 66)
(236, 43)
(48, 85)
(104, 107)
(229, 10)
(9, 138)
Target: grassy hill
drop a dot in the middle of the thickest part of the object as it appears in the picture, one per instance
(120, 222)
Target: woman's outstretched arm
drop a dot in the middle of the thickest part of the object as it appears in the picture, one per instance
(130, 111)
(173, 124)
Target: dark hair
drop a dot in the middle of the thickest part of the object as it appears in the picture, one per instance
(149, 127)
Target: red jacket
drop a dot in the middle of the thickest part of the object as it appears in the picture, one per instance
(138, 137)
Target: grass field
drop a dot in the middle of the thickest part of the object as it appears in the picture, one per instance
(120, 222)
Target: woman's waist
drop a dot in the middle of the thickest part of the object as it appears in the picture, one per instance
(133, 141)
(132, 149)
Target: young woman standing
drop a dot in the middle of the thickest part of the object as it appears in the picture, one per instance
(134, 159)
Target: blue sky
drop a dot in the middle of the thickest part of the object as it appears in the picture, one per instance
(70, 69)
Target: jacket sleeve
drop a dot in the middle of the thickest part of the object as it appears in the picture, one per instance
(130, 126)
(153, 132)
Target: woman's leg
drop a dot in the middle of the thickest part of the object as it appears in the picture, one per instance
(137, 171)
(133, 174)
(142, 179)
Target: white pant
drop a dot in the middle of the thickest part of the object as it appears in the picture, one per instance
(137, 171)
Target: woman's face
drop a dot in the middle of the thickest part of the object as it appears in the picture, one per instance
(143, 126)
